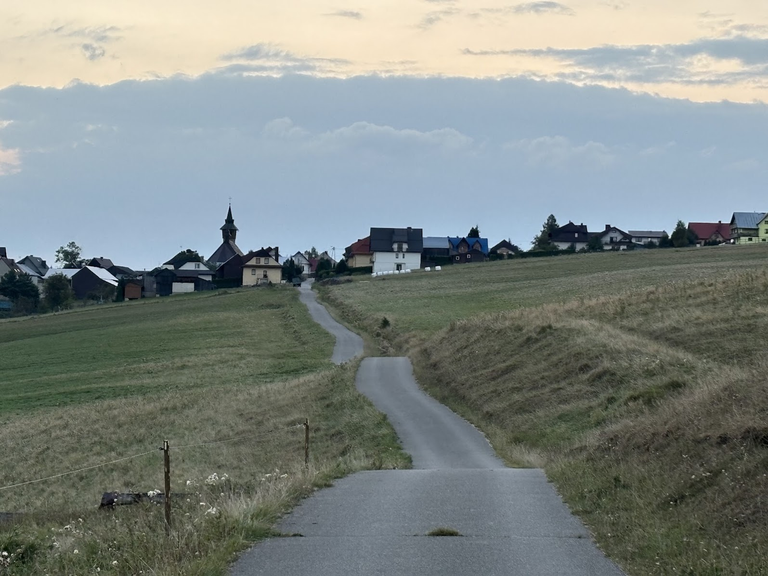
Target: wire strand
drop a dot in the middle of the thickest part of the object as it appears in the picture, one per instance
(262, 435)
(75, 471)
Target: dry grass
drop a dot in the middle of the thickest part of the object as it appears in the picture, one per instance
(647, 408)
(218, 516)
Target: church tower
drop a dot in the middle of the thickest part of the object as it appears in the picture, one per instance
(229, 230)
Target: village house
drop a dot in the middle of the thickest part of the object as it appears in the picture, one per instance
(762, 229)
(262, 267)
(436, 251)
(86, 282)
(744, 227)
(645, 237)
(467, 250)
(396, 249)
(710, 232)
(571, 234)
(358, 254)
(505, 248)
(300, 259)
(613, 238)
(6, 264)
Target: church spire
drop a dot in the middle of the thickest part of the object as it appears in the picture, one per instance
(229, 230)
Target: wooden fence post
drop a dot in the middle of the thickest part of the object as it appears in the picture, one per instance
(306, 442)
(167, 464)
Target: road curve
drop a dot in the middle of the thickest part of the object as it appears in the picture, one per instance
(511, 521)
(348, 344)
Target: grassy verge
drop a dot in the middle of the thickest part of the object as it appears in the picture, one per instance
(230, 493)
(647, 408)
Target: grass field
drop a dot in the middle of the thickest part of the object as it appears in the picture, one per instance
(636, 380)
(97, 385)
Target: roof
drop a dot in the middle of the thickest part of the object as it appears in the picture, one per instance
(382, 239)
(472, 242)
(101, 263)
(26, 270)
(609, 228)
(570, 233)
(37, 264)
(225, 252)
(646, 233)
(435, 242)
(269, 252)
(124, 270)
(68, 272)
(102, 274)
(182, 258)
(362, 246)
(229, 222)
(747, 219)
(705, 230)
(504, 244)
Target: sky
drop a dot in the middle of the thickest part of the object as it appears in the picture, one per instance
(128, 127)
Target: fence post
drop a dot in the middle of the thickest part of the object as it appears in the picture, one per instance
(306, 442)
(167, 465)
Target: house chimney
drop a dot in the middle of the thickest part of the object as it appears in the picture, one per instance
(607, 227)
(3, 252)
(719, 221)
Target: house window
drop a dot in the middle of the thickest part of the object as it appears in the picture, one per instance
(264, 275)
(399, 266)
(469, 256)
(197, 265)
(457, 258)
(266, 260)
(399, 246)
(253, 271)
(397, 254)
(749, 239)
(258, 260)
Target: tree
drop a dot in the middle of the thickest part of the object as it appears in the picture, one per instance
(342, 267)
(69, 256)
(57, 292)
(291, 270)
(474, 232)
(20, 289)
(542, 241)
(665, 242)
(595, 244)
(683, 237)
(185, 256)
(324, 268)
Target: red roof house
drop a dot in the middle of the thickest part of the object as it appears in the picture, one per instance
(711, 232)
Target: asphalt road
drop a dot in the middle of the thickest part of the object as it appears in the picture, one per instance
(348, 344)
(511, 521)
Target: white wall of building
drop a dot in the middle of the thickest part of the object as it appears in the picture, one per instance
(183, 287)
(389, 261)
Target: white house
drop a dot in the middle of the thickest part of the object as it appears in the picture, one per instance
(396, 249)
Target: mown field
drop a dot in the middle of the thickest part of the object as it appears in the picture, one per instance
(228, 378)
(636, 380)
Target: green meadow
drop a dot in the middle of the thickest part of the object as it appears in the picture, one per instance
(637, 381)
(228, 378)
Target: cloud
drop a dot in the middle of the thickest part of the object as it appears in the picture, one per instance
(266, 58)
(368, 137)
(93, 51)
(352, 14)
(616, 4)
(10, 162)
(430, 19)
(704, 61)
(559, 152)
(98, 34)
(543, 8)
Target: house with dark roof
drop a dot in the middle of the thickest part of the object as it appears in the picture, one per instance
(570, 234)
(262, 267)
(105, 263)
(745, 227)
(228, 248)
(358, 254)
(613, 238)
(37, 265)
(86, 282)
(466, 250)
(396, 249)
(436, 251)
(505, 248)
(6, 264)
(647, 236)
(710, 233)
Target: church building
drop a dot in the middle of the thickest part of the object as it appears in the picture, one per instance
(228, 248)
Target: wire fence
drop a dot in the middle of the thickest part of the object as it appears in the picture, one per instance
(290, 434)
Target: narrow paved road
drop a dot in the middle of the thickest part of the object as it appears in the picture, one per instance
(348, 344)
(511, 521)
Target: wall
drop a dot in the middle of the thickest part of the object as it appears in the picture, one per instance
(274, 275)
(359, 261)
(386, 261)
(183, 287)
